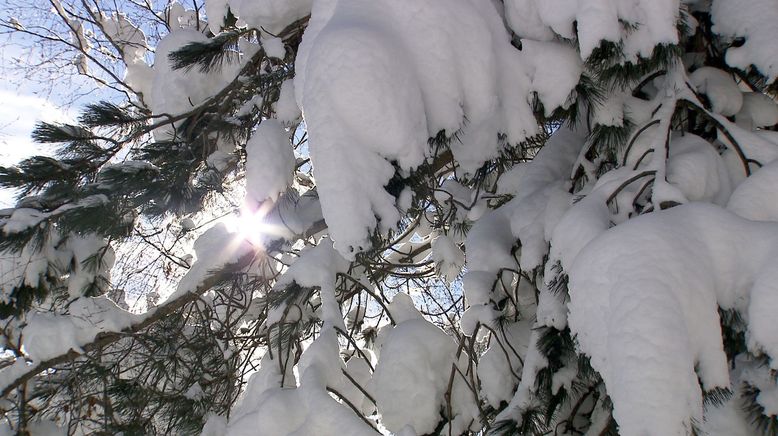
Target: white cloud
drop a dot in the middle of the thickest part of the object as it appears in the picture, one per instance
(18, 115)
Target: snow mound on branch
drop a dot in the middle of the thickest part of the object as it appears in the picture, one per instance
(417, 357)
(759, 146)
(756, 198)
(727, 419)
(318, 267)
(448, 257)
(308, 409)
(720, 88)
(216, 249)
(541, 198)
(174, 92)
(555, 69)
(286, 109)
(593, 21)
(216, 11)
(376, 79)
(90, 256)
(757, 22)
(541, 195)
(133, 45)
(649, 317)
(503, 360)
(272, 16)
(299, 411)
(49, 335)
(269, 162)
(697, 170)
(759, 110)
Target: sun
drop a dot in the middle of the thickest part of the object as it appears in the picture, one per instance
(252, 225)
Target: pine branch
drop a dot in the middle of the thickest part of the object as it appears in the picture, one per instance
(107, 114)
(46, 133)
(207, 56)
(104, 339)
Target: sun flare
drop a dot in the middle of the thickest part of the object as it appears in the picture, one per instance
(252, 225)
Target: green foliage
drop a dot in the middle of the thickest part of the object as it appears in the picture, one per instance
(47, 133)
(533, 422)
(21, 299)
(107, 114)
(116, 169)
(210, 55)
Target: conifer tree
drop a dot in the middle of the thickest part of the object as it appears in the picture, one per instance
(397, 217)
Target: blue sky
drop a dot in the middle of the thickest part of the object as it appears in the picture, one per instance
(24, 102)
(19, 112)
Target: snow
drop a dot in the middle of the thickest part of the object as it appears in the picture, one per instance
(178, 17)
(541, 198)
(371, 93)
(489, 243)
(756, 146)
(267, 378)
(758, 110)
(271, 16)
(653, 312)
(610, 112)
(302, 410)
(360, 370)
(47, 335)
(318, 267)
(78, 39)
(475, 317)
(45, 427)
(270, 162)
(727, 420)
(761, 318)
(216, 10)
(541, 195)
(540, 201)
(501, 361)
(448, 257)
(534, 361)
(555, 70)
(403, 309)
(86, 250)
(33, 267)
(22, 219)
(756, 198)
(274, 47)
(374, 80)
(215, 249)
(174, 92)
(757, 22)
(696, 169)
(286, 109)
(596, 21)
(215, 425)
(583, 222)
(523, 17)
(416, 356)
(133, 46)
(195, 392)
(720, 88)
(13, 371)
